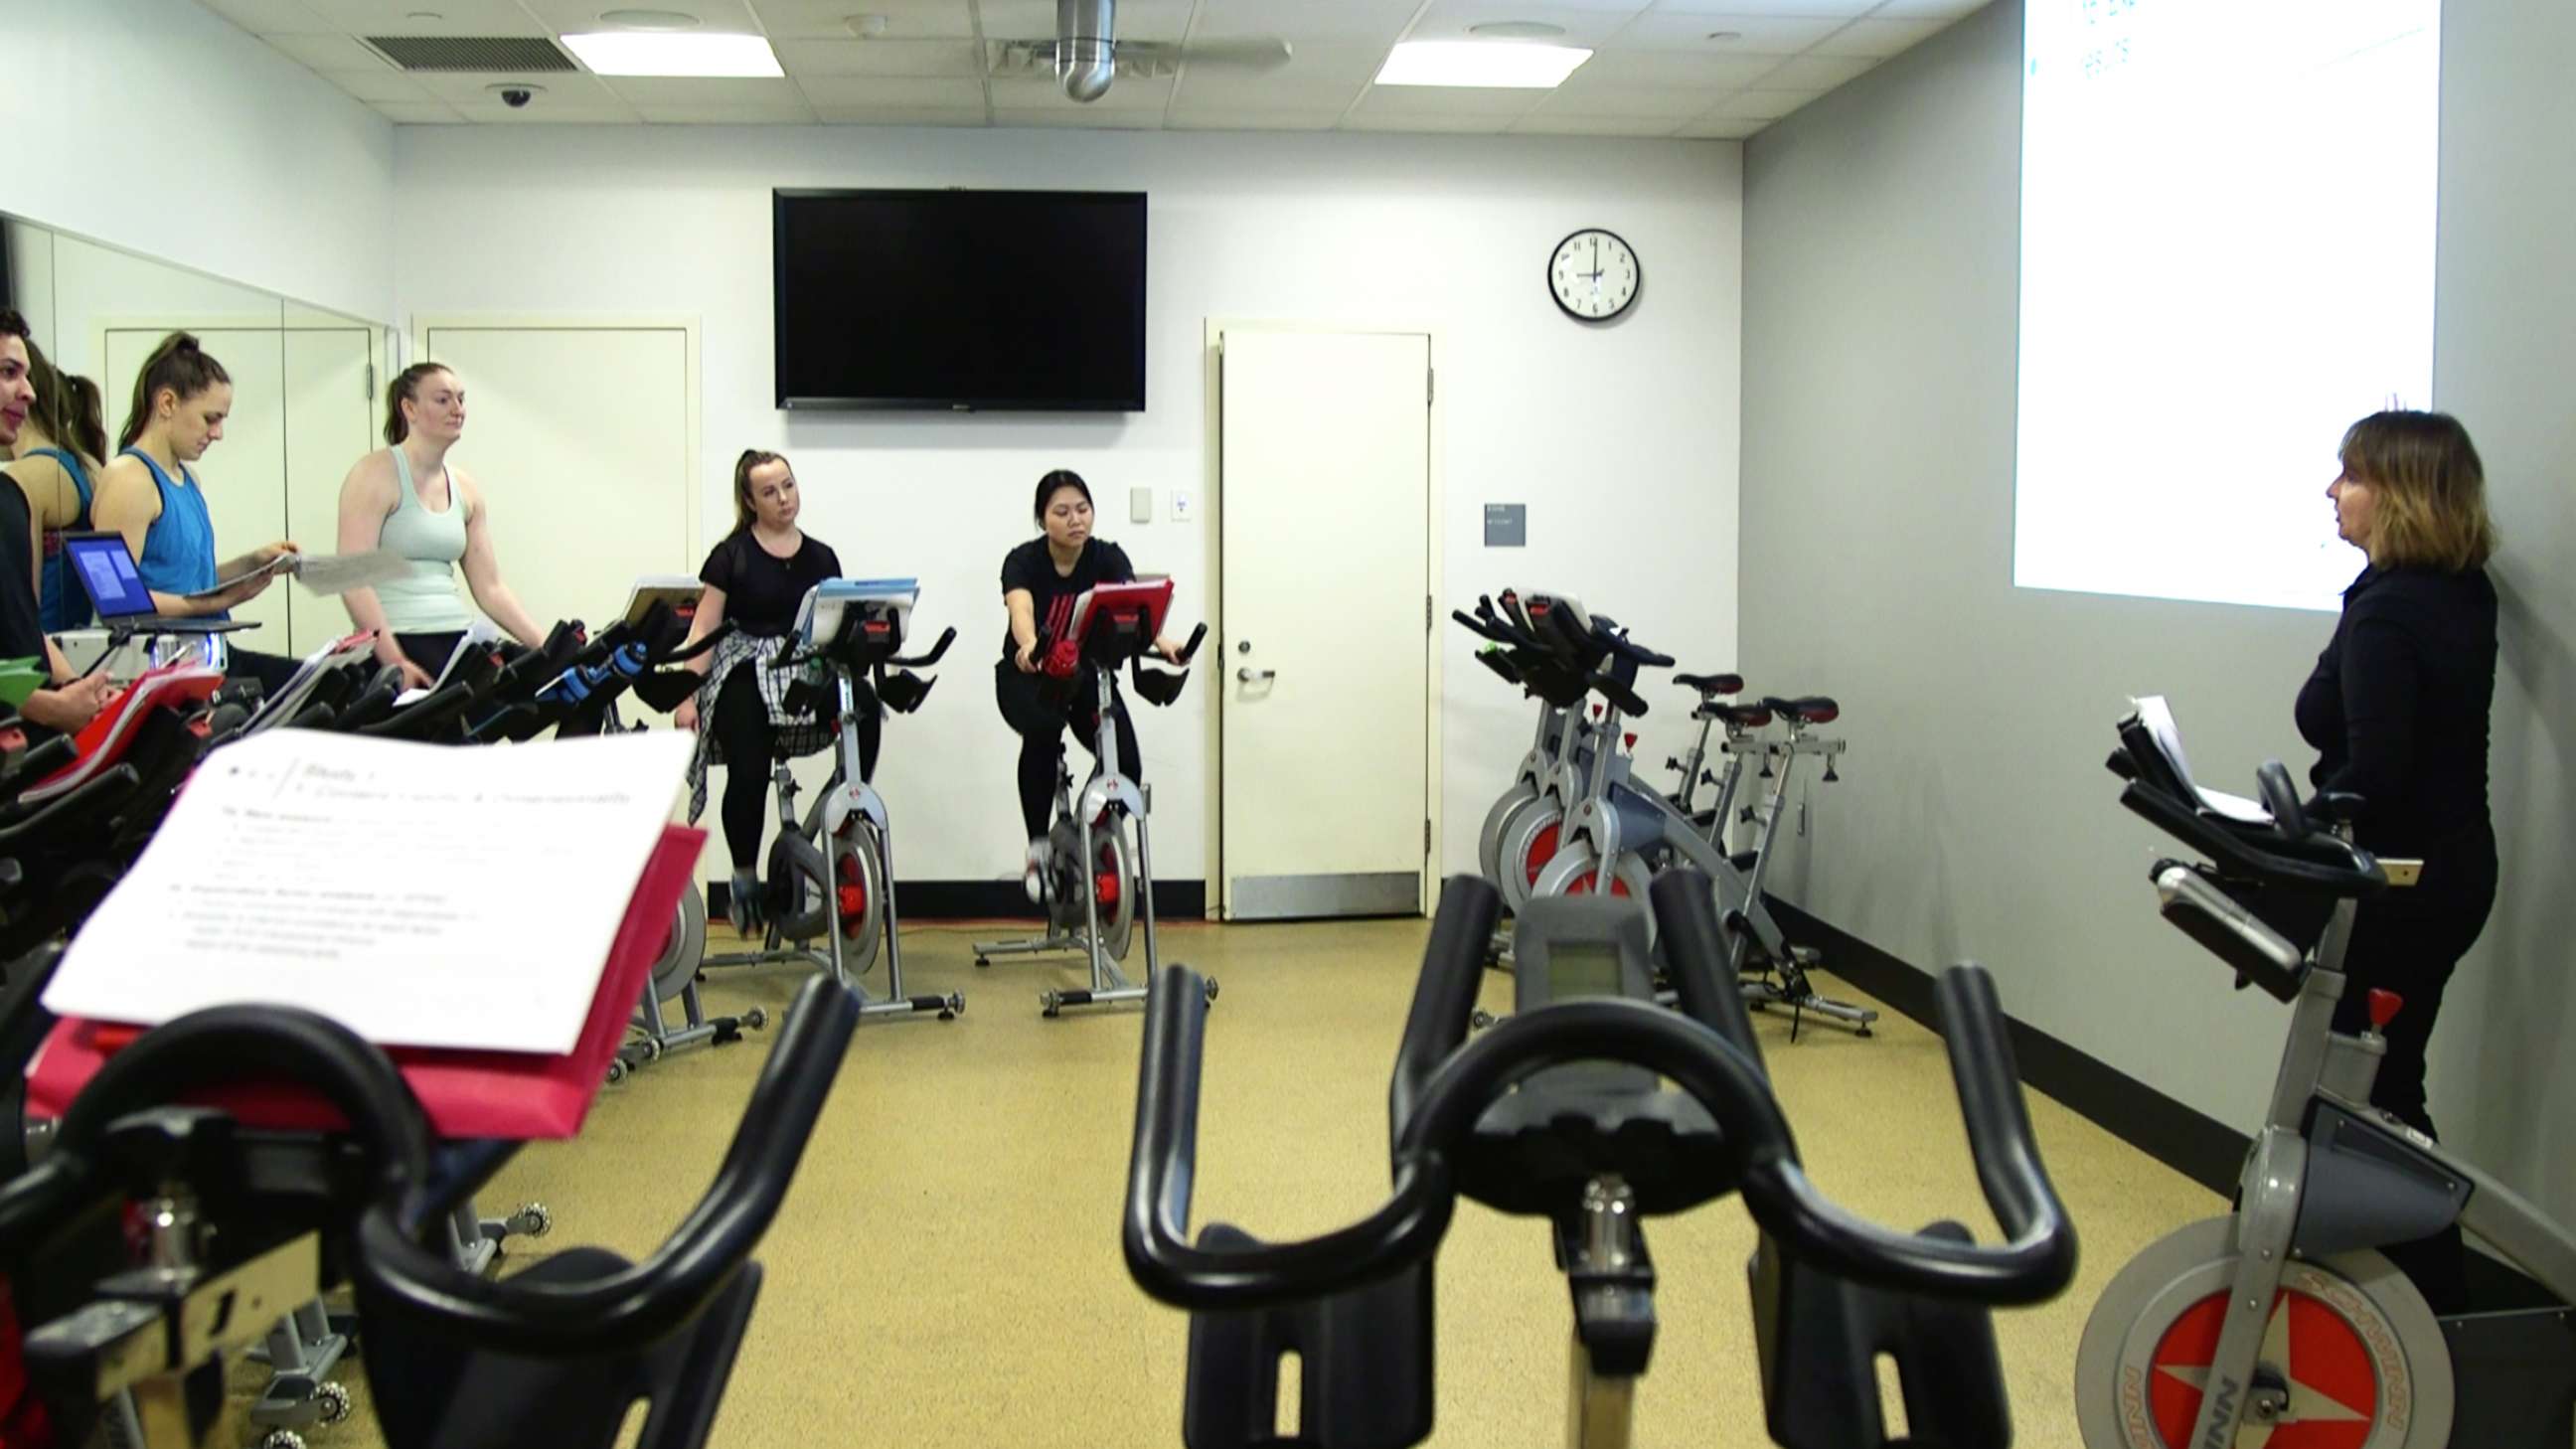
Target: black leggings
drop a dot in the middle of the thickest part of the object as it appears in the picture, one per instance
(1041, 748)
(750, 743)
(430, 651)
(2409, 942)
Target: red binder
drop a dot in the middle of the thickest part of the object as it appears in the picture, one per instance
(517, 1096)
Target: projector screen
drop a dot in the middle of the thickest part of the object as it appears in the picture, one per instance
(2227, 214)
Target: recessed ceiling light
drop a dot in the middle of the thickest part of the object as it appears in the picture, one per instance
(1726, 37)
(1507, 65)
(627, 52)
(1517, 30)
(649, 19)
(865, 27)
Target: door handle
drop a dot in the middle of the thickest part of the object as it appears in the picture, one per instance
(1256, 676)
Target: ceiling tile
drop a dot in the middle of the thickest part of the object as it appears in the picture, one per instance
(660, 90)
(719, 115)
(1544, 125)
(1475, 125)
(1763, 105)
(1126, 93)
(271, 17)
(1721, 128)
(1320, 20)
(1318, 75)
(1611, 100)
(900, 92)
(1927, 9)
(328, 52)
(417, 113)
(1879, 38)
(458, 17)
(1084, 119)
(1313, 119)
(879, 57)
(901, 115)
(572, 17)
(1582, 24)
(1035, 19)
(1757, 34)
(1821, 9)
(1447, 101)
(1713, 71)
(380, 84)
(1816, 72)
(828, 19)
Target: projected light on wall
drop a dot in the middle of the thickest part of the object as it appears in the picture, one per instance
(2227, 257)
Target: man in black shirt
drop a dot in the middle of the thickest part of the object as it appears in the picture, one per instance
(73, 702)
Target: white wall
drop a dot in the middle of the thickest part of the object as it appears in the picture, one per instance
(1976, 820)
(1621, 439)
(160, 126)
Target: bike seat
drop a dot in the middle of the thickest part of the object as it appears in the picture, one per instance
(1742, 716)
(1711, 684)
(1811, 709)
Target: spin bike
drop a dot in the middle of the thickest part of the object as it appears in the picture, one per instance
(830, 875)
(2281, 1324)
(1563, 1113)
(1618, 836)
(1549, 774)
(1096, 885)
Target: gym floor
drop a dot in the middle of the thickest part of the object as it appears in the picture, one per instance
(947, 1271)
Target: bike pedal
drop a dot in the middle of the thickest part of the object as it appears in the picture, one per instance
(1805, 955)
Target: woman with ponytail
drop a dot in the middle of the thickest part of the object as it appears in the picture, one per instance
(148, 494)
(59, 453)
(408, 500)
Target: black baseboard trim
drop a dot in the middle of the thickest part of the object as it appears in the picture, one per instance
(2201, 1148)
(995, 900)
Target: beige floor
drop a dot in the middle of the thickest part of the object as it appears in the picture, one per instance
(947, 1270)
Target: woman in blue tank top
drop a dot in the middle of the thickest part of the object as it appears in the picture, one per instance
(148, 494)
(58, 453)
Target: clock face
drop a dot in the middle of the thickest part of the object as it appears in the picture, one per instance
(1593, 275)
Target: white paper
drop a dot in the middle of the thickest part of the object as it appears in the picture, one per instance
(341, 572)
(290, 698)
(679, 591)
(283, 563)
(421, 895)
(2157, 716)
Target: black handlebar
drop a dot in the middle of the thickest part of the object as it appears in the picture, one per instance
(634, 1307)
(1190, 650)
(924, 661)
(1440, 1091)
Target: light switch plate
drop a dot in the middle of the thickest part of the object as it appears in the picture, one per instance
(1183, 508)
(1140, 505)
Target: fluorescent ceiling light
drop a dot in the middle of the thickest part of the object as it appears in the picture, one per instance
(1501, 64)
(634, 53)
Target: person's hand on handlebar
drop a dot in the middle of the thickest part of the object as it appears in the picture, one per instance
(1025, 656)
(1170, 651)
(389, 652)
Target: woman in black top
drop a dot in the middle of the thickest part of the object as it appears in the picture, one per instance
(1040, 581)
(757, 577)
(2397, 710)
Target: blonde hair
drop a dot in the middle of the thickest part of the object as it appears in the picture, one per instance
(744, 515)
(2428, 491)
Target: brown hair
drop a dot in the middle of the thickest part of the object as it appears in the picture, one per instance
(68, 409)
(14, 325)
(405, 388)
(744, 515)
(2428, 491)
(178, 367)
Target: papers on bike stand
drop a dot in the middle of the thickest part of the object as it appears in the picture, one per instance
(481, 634)
(420, 895)
(2157, 716)
(677, 592)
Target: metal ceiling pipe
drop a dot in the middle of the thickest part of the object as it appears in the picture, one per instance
(1085, 47)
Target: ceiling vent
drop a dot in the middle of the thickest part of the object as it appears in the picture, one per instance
(516, 54)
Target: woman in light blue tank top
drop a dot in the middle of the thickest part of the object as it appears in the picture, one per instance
(408, 501)
(148, 494)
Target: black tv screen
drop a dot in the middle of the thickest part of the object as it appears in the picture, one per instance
(960, 300)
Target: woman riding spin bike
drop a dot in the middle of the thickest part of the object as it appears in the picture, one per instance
(1040, 581)
(757, 577)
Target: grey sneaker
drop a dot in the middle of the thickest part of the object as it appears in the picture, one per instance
(1033, 875)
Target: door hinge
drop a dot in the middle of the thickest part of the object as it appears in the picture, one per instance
(370, 393)
(1430, 385)
(1426, 837)
(1426, 613)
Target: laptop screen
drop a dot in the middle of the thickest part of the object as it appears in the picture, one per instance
(106, 571)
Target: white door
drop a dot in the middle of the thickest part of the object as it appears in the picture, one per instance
(579, 439)
(332, 414)
(244, 475)
(1324, 668)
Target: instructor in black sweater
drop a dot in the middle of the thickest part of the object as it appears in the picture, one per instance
(2397, 711)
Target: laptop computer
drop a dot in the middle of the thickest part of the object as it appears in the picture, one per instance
(105, 568)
